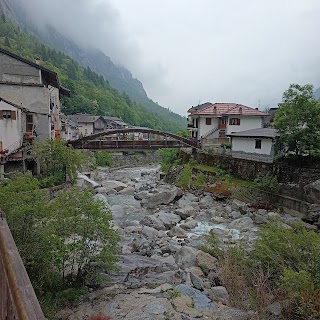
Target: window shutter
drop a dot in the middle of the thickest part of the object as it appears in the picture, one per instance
(13, 115)
(238, 122)
(230, 121)
(1, 114)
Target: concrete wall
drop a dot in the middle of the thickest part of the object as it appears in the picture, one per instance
(248, 145)
(246, 123)
(34, 98)
(13, 70)
(11, 130)
(85, 128)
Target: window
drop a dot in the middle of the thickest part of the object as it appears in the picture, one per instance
(258, 144)
(234, 122)
(8, 114)
(29, 123)
(208, 121)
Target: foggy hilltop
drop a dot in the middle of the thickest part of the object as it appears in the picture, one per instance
(31, 17)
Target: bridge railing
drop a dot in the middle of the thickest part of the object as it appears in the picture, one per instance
(17, 297)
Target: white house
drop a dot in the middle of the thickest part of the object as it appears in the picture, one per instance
(88, 124)
(255, 144)
(69, 130)
(213, 122)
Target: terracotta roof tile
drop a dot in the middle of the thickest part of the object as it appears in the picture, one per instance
(220, 109)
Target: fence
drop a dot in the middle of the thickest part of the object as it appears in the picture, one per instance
(17, 297)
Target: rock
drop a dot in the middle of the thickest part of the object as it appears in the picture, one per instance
(259, 219)
(196, 281)
(168, 219)
(154, 308)
(185, 212)
(289, 220)
(128, 190)
(312, 192)
(191, 224)
(262, 212)
(204, 259)
(200, 301)
(275, 308)
(185, 305)
(244, 223)
(154, 222)
(235, 215)
(111, 192)
(113, 184)
(220, 294)
(206, 201)
(186, 257)
(273, 215)
(239, 205)
(178, 232)
(162, 197)
(313, 214)
(141, 195)
(102, 198)
(149, 232)
(100, 190)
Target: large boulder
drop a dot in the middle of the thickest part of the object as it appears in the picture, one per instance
(244, 223)
(154, 222)
(186, 257)
(185, 212)
(168, 219)
(164, 196)
(113, 184)
(207, 261)
(312, 192)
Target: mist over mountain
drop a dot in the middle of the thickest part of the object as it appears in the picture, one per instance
(88, 56)
(317, 94)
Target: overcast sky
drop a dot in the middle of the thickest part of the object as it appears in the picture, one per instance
(188, 52)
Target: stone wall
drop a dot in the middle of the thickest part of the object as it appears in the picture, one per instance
(137, 159)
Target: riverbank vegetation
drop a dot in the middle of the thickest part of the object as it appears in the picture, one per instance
(65, 238)
(280, 272)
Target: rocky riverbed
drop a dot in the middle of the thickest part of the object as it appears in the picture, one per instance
(162, 274)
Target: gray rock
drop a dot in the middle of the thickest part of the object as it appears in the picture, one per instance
(201, 301)
(141, 195)
(244, 223)
(259, 219)
(128, 190)
(313, 213)
(189, 224)
(100, 190)
(113, 184)
(275, 308)
(186, 257)
(149, 232)
(312, 192)
(111, 192)
(169, 219)
(204, 259)
(239, 205)
(220, 293)
(155, 307)
(235, 215)
(162, 197)
(196, 281)
(178, 232)
(207, 201)
(185, 212)
(154, 222)
(262, 212)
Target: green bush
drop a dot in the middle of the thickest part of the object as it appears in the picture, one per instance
(168, 157)
(53, 180)
(103, 158)
(268, 183)
(185, 179)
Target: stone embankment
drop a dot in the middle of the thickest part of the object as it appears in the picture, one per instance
(162, 274)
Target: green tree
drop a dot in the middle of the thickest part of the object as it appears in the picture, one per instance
(82, 234)
(298, 121)
(55, 156)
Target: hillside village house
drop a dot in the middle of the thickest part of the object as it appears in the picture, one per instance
(114, 123)
(255, 144)
(30, 108)
(69, 129)
(27, 84)
(88, 124)
(211, 123)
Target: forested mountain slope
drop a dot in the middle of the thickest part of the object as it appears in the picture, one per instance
(90, 92)
(119, 77)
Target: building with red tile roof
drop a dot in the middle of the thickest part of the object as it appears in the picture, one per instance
(212, 122)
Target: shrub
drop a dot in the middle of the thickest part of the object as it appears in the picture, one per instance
(267, 183)
(168, 158)
(185, 179)
(103, 158)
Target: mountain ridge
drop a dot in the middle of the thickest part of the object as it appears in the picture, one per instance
(119, 77)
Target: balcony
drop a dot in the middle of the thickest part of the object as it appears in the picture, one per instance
(191, 127)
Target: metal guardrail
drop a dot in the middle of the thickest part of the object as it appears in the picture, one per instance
(17, 297)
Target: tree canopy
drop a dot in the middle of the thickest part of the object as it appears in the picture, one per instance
(298, 121)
